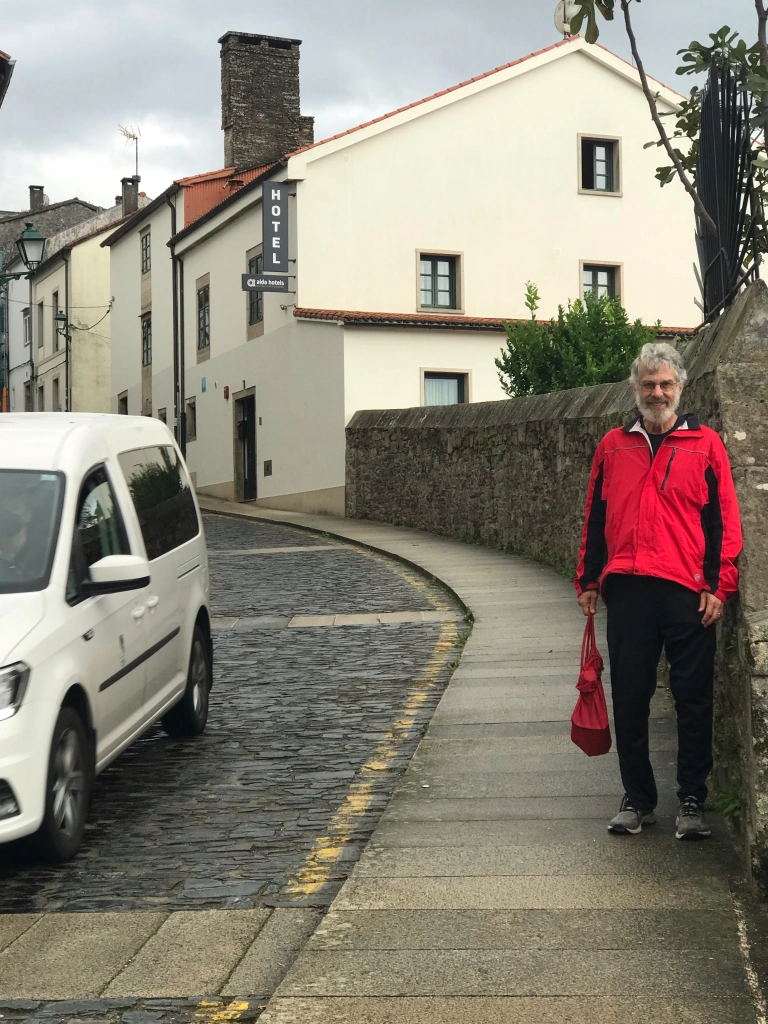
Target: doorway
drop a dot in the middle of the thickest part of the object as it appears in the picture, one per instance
(245, 448)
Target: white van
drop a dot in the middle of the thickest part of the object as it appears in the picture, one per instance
(104, 610)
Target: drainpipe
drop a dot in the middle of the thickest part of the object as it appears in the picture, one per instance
(175, 289)
(5, 331)
(182, 365)
(67, 339)
(32, 343)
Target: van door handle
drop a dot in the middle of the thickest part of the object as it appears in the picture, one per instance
(138, 613)
(152, 601)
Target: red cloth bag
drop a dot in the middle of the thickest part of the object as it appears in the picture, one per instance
(589, 722)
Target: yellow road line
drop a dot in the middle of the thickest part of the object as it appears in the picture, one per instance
(218, 1013)
(324, 856)
(438, 602)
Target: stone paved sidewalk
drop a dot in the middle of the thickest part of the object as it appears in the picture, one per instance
(491, 889)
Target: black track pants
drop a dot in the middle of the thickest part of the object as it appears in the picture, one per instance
(644, 615)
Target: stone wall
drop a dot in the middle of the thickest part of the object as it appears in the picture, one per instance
(513, 475)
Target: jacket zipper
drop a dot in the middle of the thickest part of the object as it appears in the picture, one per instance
(669, 466)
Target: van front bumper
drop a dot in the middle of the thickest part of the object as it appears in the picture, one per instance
(24, 753)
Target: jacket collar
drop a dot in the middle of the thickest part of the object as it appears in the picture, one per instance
(689, 421)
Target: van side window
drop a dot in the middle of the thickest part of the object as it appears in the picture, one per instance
(162, 498)
(99, 530)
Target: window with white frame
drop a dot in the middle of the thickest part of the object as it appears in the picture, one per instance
(146, 253)
(445, 388)
(204, 317)
(54, 326)
(600, 165)
(601, 281)
(255, 299)
(146, 340)
(438, 281)
(26, 326)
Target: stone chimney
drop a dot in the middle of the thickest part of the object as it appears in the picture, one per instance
(36, 197)
(130, 194)
(260, 99)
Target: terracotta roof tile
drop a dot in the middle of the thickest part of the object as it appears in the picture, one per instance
(442, 321)
(194, 179)
(202, 192)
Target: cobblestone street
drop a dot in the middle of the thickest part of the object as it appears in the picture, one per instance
(300, 716)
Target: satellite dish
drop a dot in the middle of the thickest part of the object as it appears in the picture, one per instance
(564, 11)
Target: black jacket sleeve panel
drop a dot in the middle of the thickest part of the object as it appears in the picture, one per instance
(712, 527)
(595, 551)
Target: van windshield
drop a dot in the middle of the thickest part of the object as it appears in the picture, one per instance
(30, 509)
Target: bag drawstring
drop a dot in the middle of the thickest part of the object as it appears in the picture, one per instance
(588, 643)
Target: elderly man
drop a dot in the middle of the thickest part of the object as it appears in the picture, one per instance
(660, 542)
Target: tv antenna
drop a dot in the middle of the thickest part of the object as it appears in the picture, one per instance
(132, 134)
(564, 11)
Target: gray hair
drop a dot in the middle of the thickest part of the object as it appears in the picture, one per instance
(655, 355)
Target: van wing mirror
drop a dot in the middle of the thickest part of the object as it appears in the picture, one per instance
(116, 574)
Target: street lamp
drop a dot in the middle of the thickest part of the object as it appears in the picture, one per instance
(31, 247)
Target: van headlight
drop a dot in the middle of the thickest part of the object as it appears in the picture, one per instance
(13, 683)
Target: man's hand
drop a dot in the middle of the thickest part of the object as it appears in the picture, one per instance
(711, 606)
(588, 602)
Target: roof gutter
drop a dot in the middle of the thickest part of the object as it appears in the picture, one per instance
(175, 296)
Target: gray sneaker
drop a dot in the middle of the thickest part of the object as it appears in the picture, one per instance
(630, 821)
(690, 821)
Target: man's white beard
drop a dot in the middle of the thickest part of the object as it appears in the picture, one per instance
(658, 414)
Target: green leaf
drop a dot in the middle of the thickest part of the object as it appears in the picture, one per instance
(665, 174)
(606, 8)
(593, 32)
(576, 22)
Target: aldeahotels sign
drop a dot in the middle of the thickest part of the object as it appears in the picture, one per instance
(264, 283)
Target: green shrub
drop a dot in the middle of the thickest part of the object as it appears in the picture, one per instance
(590, 342)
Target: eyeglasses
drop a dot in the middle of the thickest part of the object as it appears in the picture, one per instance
(667, 386)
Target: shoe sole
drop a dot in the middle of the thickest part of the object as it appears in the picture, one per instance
(622, 830)
(693, 835)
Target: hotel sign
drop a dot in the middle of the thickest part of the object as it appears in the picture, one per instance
(275, 227)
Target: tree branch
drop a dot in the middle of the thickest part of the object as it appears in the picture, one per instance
(701, 209)
(762, 30)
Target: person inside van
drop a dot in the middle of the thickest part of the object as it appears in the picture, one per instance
(14, 547)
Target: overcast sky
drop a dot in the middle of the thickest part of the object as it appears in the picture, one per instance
(86, 66)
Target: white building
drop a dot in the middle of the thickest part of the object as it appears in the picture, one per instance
(56, 366)
(411, 238)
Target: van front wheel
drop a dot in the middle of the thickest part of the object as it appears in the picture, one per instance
(190, 715)
(68, 789)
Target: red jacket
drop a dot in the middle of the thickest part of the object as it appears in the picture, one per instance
(675, 516)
